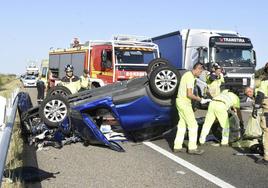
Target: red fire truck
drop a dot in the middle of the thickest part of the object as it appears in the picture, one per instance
(122, 58)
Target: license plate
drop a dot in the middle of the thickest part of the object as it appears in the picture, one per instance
(245, 81)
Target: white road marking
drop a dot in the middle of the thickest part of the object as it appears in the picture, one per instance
(190, 166)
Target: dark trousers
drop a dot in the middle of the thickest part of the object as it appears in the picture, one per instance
(40, 90)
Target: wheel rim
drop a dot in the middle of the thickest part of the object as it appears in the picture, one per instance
(166, 81)
(61, 92)
(55, 111)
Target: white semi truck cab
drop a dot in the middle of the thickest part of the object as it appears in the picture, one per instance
(233, 52)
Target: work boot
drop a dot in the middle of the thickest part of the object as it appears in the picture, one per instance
(181, 150)
(261, 161)
(196, 151)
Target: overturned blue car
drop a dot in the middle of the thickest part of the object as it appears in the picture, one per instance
(141, 109)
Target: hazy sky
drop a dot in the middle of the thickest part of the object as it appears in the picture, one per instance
(30, 27)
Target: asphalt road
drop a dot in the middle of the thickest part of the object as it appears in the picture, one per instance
(143, 166)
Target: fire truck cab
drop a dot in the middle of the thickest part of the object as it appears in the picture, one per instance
(122, 58)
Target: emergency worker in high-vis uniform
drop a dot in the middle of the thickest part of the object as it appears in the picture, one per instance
(186, 113)
(214, 80)
(261, 101)
(71, 81)
(218, 108)
(84, 80)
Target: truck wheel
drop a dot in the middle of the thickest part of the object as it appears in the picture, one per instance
(95, 85)
(54, 109)
(164, 82)
(156, 63)
(59, 90)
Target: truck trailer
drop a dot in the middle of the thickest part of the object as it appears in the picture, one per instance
(233, 52)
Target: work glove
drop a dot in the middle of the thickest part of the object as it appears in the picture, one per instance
(255, 111)
(204, 101)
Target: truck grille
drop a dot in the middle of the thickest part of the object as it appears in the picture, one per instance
(237, 82)
(236, 85)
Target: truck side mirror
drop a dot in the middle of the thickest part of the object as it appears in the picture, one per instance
(106, 62)
(103, 55)
(103, 59)
(254, 58)
(201, 54)
(201, 59)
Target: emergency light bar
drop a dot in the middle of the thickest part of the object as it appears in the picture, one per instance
(132, 38)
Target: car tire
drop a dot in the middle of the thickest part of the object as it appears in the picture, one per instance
(59, 90)
(164, 81)
(62, 111)
(156, 63)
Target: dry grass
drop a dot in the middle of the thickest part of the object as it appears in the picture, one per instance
(8, 85)
(14, 158)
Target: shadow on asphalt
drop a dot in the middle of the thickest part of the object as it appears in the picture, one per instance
(28, 174)
(29, 159)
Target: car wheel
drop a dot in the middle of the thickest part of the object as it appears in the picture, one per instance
(156, 63)
(164, 81)
(53, 110)
(59, 90)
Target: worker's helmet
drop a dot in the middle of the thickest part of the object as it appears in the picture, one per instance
(69, 68)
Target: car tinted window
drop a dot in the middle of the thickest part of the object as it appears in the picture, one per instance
(29, 77)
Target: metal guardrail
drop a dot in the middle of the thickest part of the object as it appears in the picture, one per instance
(6, 129)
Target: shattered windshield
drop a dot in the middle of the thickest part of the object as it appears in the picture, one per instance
(229, 57)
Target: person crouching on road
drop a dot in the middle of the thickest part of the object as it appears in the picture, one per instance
(261, 101)
(71, 81)
(218, 108)
(186, 113)
(84, 80)
(214, 80)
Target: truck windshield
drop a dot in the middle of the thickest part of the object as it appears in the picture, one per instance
(233, 56)
(134, 56)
